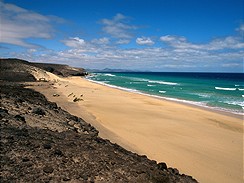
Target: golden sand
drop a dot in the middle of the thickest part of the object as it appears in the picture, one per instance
(202, 143)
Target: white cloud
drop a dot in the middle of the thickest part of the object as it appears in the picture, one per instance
(169, 38)
(229, 42)
(18, 24)
(74, 42)
(150, 58)
(118, 27)
(144, 41)
(101, 41)
(123, 41)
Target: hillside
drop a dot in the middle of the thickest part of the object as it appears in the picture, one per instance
(40, 142)
(23, 70)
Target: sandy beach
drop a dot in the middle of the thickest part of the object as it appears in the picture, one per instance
(202, 143)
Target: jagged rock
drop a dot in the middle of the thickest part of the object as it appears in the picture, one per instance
(38, 111)
(3, 112)
(25, 159)
(66, 179)
(162, 166)
(173, 171)
(19, 118)
(58, 152)
(48, 169)
(47, 146)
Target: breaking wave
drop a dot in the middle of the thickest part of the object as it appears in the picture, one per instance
(220, 88)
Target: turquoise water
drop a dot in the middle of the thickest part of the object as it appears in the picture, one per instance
(222, 91)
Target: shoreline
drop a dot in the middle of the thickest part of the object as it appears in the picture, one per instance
(175, 100)
(203, 143)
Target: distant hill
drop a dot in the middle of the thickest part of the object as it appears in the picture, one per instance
(20, 70)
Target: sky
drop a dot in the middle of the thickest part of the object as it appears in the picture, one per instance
(141, 35)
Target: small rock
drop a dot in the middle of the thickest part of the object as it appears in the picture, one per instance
(66, 179)
(92, 180)
(25, 159)
(77, 126)
(3, 110)
(4, 120)
(48, 169)
(47, 146)
(84, 177)
(65, 160)
(71, 123)
(174, 171)
(162, 166)
(58, 152)
(79, 131)
(56, 95)
(19, 117)
(39, 111)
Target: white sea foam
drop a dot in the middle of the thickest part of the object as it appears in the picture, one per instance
(150, 85)
(239, 103)
(241, 89)
(162, 91)
(113, 86)
(242, 95)
(109, 75)
(162, 82)
(204, 95)
(220, 88)
(201, 104)
(134, 82)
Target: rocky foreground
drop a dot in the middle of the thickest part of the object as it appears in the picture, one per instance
(40, 142)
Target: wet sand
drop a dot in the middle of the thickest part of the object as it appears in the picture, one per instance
(202, 143)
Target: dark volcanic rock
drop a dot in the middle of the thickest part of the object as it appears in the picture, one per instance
(47, 148)
(16, 70)
(162, 166)
(58, 152)
(48, 169)
(38, 111)
(19, 117)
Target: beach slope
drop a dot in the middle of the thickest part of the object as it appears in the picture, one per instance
(203, 143)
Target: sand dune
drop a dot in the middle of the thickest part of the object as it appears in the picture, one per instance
(202, 143)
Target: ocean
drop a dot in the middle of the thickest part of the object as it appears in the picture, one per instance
(221, 91)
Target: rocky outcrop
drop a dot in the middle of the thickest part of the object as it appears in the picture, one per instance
(15, 70)
(40, 142)
(20, 70)
(61, 70)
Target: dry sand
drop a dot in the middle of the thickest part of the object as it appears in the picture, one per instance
(202, 143)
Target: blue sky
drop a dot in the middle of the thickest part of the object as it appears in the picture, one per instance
(155, 35)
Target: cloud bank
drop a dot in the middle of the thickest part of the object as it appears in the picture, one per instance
(18, 24)
(119, 48)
